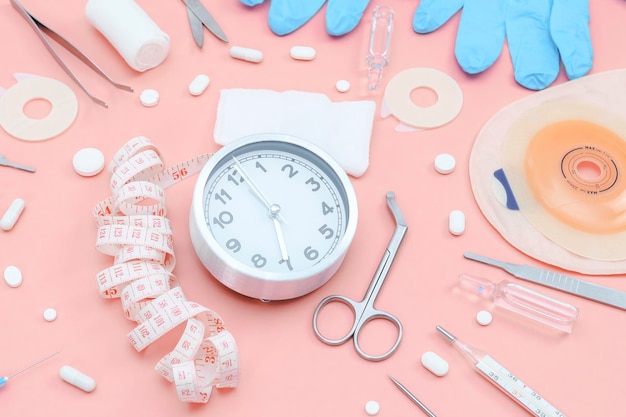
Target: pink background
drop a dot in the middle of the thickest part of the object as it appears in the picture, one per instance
(285, 370)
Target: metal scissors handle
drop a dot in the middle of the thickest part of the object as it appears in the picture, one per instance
(364, 310)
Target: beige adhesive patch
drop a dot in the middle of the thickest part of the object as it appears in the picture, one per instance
(563, 161)
(62, 115)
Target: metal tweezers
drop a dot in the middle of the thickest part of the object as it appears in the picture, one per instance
(40, 29)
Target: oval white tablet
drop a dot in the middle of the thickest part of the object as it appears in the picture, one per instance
(149, 97)
(199, 84)
(9, 218)
(303, 53)
(484, 318)
(372, 408)
(13, 276)
(50, 314)
(78, 379)
(444, 163)
(435, 363)
(456, 222)
(246, 54)
(88, 162)
(343, 86)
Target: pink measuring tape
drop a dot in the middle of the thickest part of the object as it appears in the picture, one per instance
(134, 229)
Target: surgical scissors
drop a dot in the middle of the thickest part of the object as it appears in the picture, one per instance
(198, 17)
(364, 310)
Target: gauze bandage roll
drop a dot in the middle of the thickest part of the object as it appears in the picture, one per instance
(136, 37)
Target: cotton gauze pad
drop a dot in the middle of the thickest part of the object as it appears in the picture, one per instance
(136, 37)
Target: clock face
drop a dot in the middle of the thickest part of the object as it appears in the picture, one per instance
(275, 207)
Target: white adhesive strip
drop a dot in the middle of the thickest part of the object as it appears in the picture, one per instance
(398, 100)
(139, 237)
(62, 114)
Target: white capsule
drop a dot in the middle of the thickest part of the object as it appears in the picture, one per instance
(303, 53)
(12, 214)
(444, 163)
(435, 363)
(246, 54)
(74, 377)
(199, 84)
(456, 222)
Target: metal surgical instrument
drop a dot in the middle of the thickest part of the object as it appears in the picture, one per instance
(412, 397)
(41, 29)
(6, 163)
(585, 289)
(364, 310)
(5, 379)
(198, 17)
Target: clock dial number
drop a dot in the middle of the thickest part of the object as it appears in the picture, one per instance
(258, 261)
(235, 177)
(223, 196)
(222, 219)
(316, 185)
(234, 245)
(286, 261)
(326, 209)
(326, 231)
(310, 253)
(290, 170)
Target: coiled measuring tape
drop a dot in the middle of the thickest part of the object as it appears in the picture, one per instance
(134, 229)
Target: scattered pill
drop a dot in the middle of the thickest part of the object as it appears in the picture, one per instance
(78, 379)
(13, 276)
(372, 408)
(343, 86)
(88, 162)
(149, 97)
(456, 222)
(246, 54)
(199, 84)
(303, 53)
(444, 163)
(9, 218)
(435, 363)
(50, 314)
(484, 318)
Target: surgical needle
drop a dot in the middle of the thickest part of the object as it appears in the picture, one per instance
(5, 379)
(412, 397)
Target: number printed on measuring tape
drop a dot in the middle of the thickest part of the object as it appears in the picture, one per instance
(517, 389)
(134, 230)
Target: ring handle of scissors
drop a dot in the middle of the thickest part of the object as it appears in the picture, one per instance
(354, 306)
(374, 314)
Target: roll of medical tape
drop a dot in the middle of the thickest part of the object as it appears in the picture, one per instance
(139, 237)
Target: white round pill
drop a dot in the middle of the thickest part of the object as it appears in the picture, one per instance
(13, 276)
(303, 53)
(445, 163)
(88, 162)
(456, 222)
(484, 317)
(50, 314)
(372, 408)
(435, 363)
(149, 97)
(199, 84)
(343, 86)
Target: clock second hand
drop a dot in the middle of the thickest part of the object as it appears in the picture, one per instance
(273, 210)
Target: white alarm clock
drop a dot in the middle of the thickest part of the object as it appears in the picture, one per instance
(272, 216)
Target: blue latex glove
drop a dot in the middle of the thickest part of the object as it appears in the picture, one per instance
(285, 16)
(539, 33)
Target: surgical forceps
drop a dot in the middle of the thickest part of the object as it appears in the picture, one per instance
(40, 29)
(364, 310)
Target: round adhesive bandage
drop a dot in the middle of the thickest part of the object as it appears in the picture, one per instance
(62, 114)
(399, 103)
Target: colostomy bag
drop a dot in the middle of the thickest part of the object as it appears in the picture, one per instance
(562, 151)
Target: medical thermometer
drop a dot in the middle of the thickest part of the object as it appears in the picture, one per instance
(502, 378)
